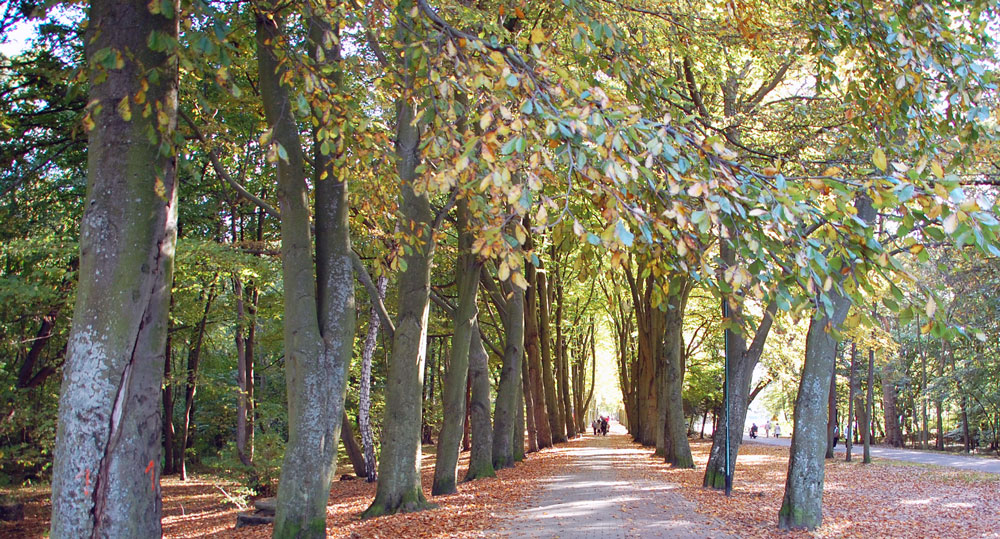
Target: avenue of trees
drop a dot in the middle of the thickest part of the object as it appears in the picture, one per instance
(240, 236)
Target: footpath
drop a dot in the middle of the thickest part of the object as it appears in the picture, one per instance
(964, 462)
(604, 494)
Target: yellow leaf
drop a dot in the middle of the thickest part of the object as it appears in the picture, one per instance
(504, 271)
(124, 110)
(916, 249)
(937, 169)
(485, 120)
(537, 35)
(930, 308)
(832, 171)
(878, 157)
(160, 189)
(542, 217)
(520, 234)
(518, 279)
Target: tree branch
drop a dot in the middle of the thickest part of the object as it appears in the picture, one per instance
(221, 171)
(362, 274)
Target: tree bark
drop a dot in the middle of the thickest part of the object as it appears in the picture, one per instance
(399, 486)
(319, 317)
(867, 433)
(543, 433)
(365, 400)
(893, 432)
(849, 434)
(677, 451)
(481, 452)
(831, 416)
(468, 269)
(742, 361)
(556, 426)
(566, 410)
(105, 472)
(169, 461)
(194, 359)
(802, 506)
(508, 403)
(529, 410)
(244, 381)
(351, 446)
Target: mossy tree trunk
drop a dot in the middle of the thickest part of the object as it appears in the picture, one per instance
(562, 354)
(481, 452)
(677, 450)
(532, 350)
(399, 487)
(556, 427)
(802, 506)
(105, 478)
(319, 317)
(508, 400)
(742, 360)
(468, 269)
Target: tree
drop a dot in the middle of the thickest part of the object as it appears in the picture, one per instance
(108, 441)
(319, 298)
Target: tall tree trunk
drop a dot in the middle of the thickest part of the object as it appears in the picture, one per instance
(105, 473)
(319, 296)
(852, 391)
(939, 404)
(966, 441)
(893, 433)
(481, 452)
(543, 433)
(566, 409)
(505, 424)
(923, 387)
(556, 427)
(169, 462)
(467, 269)
(194, 359)
(677, 451)
(399, 486)
(831, 416)
(869, 411)
(365, 399)
(742, 361)
(351, 446)
(244, 380)
(519, 426)
(802, 506)
(529, 410)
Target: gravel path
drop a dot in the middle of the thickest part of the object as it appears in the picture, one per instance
(604, 494)
(951, 460)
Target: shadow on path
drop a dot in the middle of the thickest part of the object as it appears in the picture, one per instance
(604, 493)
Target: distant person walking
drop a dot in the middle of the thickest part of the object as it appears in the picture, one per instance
(767, 429)
(777, 430)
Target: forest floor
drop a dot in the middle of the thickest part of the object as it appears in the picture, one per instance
(883, 499)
